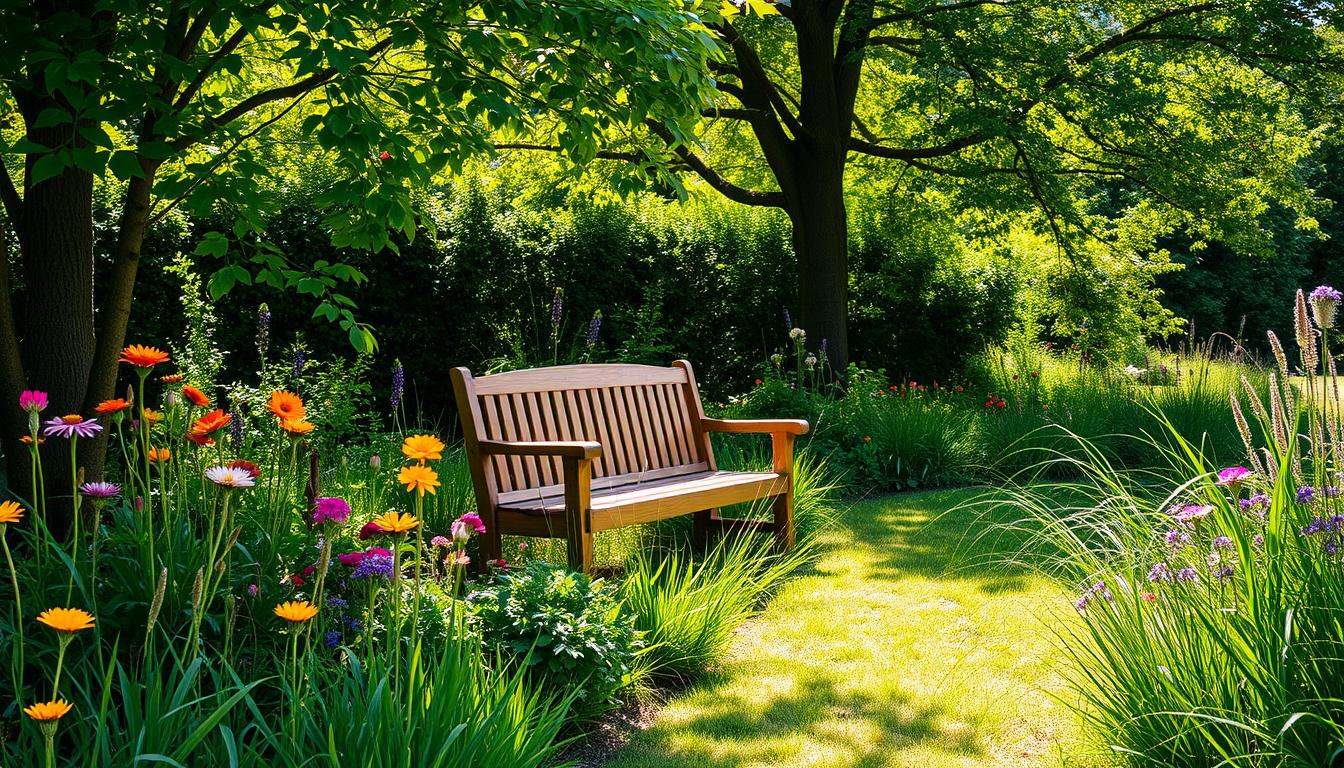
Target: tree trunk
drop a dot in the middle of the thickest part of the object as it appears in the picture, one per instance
(821, 242)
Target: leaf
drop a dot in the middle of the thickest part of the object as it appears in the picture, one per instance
(49, 166)
(125, 165)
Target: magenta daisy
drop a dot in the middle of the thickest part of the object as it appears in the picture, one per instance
(100, 490)
(331, 509)
(1234, 476)
(71, 426)
(32, 400)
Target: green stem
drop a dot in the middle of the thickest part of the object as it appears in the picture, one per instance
(17, 672)
(60, 662)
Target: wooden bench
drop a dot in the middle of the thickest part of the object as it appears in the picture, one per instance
(571, 450)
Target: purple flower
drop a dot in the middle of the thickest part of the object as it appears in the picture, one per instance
(557, 309)
(398, 384)
(1188, 575)
(1091, 593)
(263, 329)
(788, 320)
(236, 430)
(1331, 491)
(100, 490)
(330, 509)
(1306, 494)
(1193, 513)
(71, 426)
(1324, 304)
(1224, 573)
(374, 566)
(1222, 542)
(1176, 539)
(594, 326)
(1258, 540)
(1159, 573)
(332, 639)
(300, 360)
(337, 603)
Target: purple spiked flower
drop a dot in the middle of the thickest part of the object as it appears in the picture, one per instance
(557, 309)
(398, 383)
(1324, 305)
(594, 326)
(263, 329)
(100, 491)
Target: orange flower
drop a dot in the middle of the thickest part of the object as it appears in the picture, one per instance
(143, 357)
(296, 611)
(172, 378)
(195, 396)
(28, 440)
(48, 711)
(418, 478)
(297, 426)
(200, 439)
(159, 455)
(112, 406)
(151, 415)
(422, 447)
(393, 522)
(10, 512)
(211, 422)
(287, 406)
(66, 619)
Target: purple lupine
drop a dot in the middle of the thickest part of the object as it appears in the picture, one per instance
(594, 326)
(1159, 573)
(1306, 494)
(332, 639)
(398, 384)
(263, 329)
(557, 310)
(788, 320)
(236, 430)
(300, 360)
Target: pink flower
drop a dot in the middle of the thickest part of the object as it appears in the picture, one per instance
(351, 559)
(1193, 513)
(331, 509)
(474, 520)
(522, 546)
(369, 530)
(32, 400)
(253, 590)
(1234, 476)
(459, 558)
(440, 541)
(461, 533)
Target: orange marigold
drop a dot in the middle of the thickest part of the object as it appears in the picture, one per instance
(287, 406)
(142, 356)
(48, 711)
(28, 440)
(113, 406)
(10, 512)
(211, 422)
(66, 619)
(195, 396)
(422, 447)
(418, 478)
(297, 426)
(393, 522)
(296, 611)
(159, 455)
(200, 439)
(152, 416)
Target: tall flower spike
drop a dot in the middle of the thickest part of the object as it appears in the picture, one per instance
(1277, 349)
(1244, 429)
(1324, 306)
(1306, 335)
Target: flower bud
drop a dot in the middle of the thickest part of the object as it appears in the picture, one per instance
(375, 462)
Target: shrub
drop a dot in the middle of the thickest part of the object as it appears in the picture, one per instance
(572, 633)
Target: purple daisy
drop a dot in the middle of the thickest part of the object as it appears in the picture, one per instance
(100, 490)
(71, 426)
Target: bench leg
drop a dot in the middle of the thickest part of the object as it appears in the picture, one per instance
(702, 523)
(783, 509)
(578, 500)
(580, 545)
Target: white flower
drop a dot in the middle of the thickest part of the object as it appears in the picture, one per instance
(810, 361)
(777, 358)
(229, 477)
(1134, 372)
(797, 334)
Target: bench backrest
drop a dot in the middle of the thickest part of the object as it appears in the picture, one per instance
(646, 418)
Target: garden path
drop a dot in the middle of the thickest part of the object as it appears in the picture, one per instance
(903, 646)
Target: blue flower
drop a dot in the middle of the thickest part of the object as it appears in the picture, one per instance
(332, 639)
(1306, 494)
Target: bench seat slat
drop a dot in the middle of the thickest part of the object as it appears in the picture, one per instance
(666, 497)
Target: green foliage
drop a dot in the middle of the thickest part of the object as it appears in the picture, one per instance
(571, 632)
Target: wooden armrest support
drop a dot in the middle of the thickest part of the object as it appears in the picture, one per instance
(756, 426)
(570, 449)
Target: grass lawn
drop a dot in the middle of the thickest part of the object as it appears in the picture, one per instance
(903, 647)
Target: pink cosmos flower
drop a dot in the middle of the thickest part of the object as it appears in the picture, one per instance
(1234, 476)
(1193, 513)
(331, 509)
(230, 477)
(100, 490)
(32, 400)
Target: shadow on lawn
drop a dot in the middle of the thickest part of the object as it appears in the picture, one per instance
(846, 729)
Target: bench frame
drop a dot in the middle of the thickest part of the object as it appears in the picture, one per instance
(578, 522)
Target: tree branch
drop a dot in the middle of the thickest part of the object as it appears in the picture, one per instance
(719, 183)
(918, 153)
(604, 154)
(10, 196)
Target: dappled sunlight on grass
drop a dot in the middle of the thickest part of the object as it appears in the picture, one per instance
(907, 644)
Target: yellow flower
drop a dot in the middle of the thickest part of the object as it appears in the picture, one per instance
(418, 477)
(296, 611)
(296, 426)
(66, 619)
(152, 416)
(422, 447)
(10, 512)
(393, 522)
(48, 711)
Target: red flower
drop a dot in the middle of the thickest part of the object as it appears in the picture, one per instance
(384, 155)
(195, 396)
(251, 468)
(297, 581)
(1000, 404)
(370, 529)
(759, 382)
(351, 559)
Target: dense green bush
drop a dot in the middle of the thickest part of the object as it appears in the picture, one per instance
(573, 633)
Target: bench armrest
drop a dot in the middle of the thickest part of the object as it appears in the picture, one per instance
(570, 449)
(756, 426)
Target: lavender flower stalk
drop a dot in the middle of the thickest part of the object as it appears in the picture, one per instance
(557, 310)
(263, 330)
(398, 384)
(300, 360)
(594, 326)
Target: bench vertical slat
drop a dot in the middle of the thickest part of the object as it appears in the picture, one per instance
(681, 425)
(591, 407)
(667, 435)
(515, 420)
(635, 421)
(543, 429)
(696, 415)
(496, 467)
(511, 467)
(612, 412)
(656, 429)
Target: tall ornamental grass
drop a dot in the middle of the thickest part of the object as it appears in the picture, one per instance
(1211, 598)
